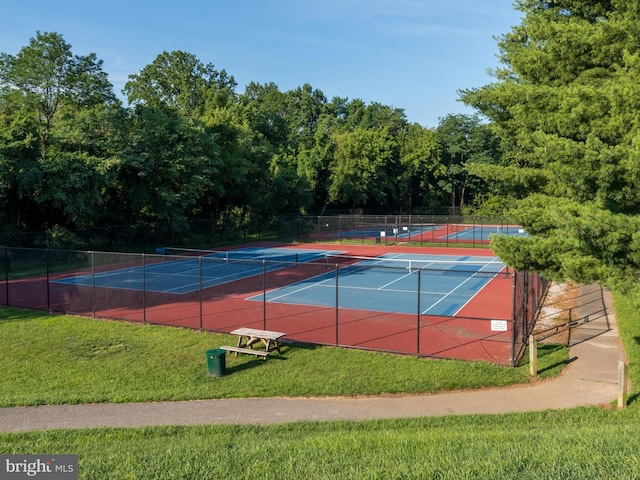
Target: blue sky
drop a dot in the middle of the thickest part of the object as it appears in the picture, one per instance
(409, 54)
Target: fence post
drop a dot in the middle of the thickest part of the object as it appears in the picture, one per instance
(418, 324)
(144, 293)
(622, 384)
(6, 274)
(337, 308)
(48, 260)
(514, 317)
(533, 356)
(200, 265)
(93, 282)
(264, 294)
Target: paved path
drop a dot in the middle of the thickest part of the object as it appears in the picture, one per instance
(590, 379)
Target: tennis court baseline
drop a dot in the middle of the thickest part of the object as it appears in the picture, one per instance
(391, 283)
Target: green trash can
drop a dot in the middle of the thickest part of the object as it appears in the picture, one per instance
(216, 362)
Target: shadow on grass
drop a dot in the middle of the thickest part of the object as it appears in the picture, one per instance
(255, 362)
(12, 314)
(633, 398)
(553, 349)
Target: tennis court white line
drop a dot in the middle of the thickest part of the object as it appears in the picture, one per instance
(316, 284)
(376, 289)
(394, 257)
(383, 287)
(460, 285)
(475, 294)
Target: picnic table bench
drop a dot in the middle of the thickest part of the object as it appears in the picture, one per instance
(268, 338)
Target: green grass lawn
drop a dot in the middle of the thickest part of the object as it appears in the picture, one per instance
(62, 359)
(57, 359)
(583, 443)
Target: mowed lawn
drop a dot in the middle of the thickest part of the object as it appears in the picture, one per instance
(63, 359)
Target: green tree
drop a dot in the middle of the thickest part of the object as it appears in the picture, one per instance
(314, 162)
(80, 177)
(62, 106)
(179, 80)
(466, 142)
(360, 173)
(19, 157)
(169, 166)
(422, 167)
(304, 107)
(565, 104)
(47, 75)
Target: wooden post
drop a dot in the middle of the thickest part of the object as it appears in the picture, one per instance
(622, 384)
(533, 356)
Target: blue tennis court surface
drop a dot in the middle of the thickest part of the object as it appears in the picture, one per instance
(390, 231)
(181, 274)
(390, 284)
(484, 232)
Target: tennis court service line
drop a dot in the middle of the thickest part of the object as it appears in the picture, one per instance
(458, 287)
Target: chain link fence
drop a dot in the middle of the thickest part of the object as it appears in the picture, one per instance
(178, 290)
(445, 230)
(426, 230)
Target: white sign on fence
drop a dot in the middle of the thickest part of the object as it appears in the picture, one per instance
(498, 325)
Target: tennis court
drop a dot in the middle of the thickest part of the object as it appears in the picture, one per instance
(181, 271)
(391, 282)
(382, 231)
(400, 229)
(484, 232)
(439, 302)
(387, 283)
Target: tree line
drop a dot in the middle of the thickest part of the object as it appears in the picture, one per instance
(558, 149)
(566, 105)
(188, 145)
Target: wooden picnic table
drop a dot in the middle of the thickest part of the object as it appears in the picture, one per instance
(247, 337)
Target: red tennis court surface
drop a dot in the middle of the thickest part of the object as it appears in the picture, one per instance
(484, 329)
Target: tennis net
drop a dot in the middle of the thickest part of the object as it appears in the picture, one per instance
(413, 265)
(231, 256)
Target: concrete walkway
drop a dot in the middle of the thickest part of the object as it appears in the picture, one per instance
(590, 379)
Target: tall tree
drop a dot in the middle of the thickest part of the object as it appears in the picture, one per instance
(565, 103)
(170, 165)
(47, 74)
(360, 175)
(19, 156)
(422, 168)
(305, 105)
(465, 141)
(314, 162)
(179, 80)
